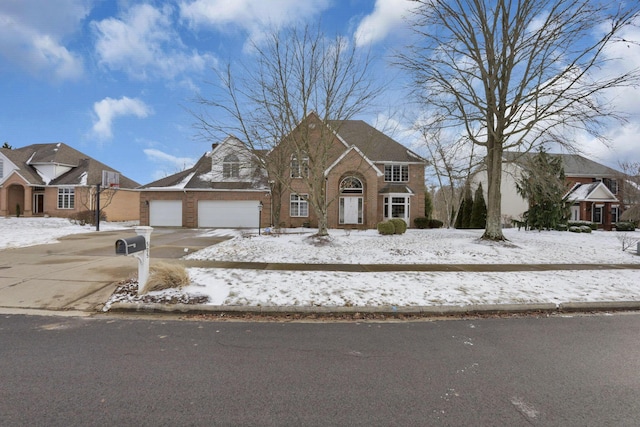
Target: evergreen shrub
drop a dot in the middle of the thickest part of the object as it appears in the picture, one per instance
(625, 226)
(435, 223)
(585, 229)
(386, 228)
(421, 222)
(575, 229)
(592, 225)
(399, 225)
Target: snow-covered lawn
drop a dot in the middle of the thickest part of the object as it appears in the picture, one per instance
(442, 246)
(326, 288)
(21, 232)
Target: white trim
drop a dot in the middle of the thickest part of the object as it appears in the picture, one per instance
(343, 155)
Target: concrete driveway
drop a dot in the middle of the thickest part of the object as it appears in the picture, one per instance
(81, 271)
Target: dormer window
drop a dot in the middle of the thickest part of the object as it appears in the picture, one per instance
(231, 166)
(396, 173)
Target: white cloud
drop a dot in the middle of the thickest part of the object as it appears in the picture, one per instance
(169, 164)
(143, 43)
(252, 16)
(387, 15)
(32, 33)
(108, 109)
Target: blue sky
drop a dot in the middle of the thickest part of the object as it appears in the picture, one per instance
(115, 78)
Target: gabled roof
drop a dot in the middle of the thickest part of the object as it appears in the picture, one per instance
(375, 145)
(592, 192)
(84, 169)
(574, 164)
(195, 178)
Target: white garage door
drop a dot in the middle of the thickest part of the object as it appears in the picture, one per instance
(165, 213)
(228, 213)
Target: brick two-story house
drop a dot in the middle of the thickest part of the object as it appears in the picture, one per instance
(368, 177)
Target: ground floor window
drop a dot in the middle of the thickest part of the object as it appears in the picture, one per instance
(615, 214)
(597, 214)
(66, 198)
(299, 205)
(351, 210)
(396, 207)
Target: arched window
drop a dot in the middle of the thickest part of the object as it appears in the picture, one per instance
(231, 166)
(351, 185)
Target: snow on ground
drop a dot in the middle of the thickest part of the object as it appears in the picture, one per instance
(442, 246)
(20, 232)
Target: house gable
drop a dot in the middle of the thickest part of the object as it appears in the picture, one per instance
(229, 166)
(595, 192)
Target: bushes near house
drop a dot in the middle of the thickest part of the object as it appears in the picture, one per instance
(86, 217)
(625, 226)
(435, 223)
(421, 222)
(399, 225)
(386, 228)
(589, 224)
(424, 222)
(580, 228)
(164, 275)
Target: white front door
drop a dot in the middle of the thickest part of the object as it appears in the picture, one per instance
(351, 210)
(575, 213)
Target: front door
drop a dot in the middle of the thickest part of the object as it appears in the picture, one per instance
(38, 203)
(351, 210)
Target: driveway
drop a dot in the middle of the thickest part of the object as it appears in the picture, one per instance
(81, 271)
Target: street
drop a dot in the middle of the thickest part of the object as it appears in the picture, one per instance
(106, 370)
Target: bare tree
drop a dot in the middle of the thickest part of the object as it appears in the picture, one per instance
(292, 75)
(511, 74)
(451, 162)
(631, 188)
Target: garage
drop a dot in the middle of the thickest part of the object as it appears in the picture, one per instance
(165, 213)
(228, 213)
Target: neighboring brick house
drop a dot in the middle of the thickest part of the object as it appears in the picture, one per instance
(56, 180)
(595, 191)
(370, 178)
(226, 188)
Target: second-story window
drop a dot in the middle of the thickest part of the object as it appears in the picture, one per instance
(299, 168)
(396, 173)
(231, 167)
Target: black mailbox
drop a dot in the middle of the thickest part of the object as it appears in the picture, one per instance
(130, 245)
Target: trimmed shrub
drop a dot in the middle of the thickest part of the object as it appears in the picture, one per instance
(590, 224)
(165, 276)
(435, 223)
(399, 225)
(575, 229)
(386, 228)
(562, 227)
(585, 229)
(421, 222)
(625, 226)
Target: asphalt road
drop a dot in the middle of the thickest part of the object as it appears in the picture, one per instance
(558, 371)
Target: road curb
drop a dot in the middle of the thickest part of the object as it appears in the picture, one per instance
(391, 311)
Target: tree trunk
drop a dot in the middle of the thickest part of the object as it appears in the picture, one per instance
(493, 229)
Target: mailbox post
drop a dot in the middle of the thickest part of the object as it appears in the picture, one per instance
(139, 247)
